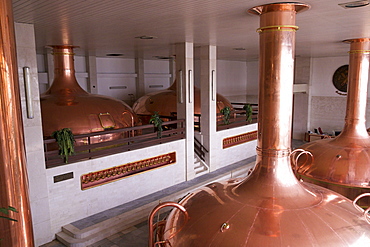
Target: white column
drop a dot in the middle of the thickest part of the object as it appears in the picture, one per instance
(39, 196)
(185, 99)
(140, 79)
(208, 62)
(50, 68)
(93, 76)
(172, 68)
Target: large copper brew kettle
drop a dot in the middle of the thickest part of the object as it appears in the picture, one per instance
(343, 163)
(165, 103)
(66, 105)
(270, 207)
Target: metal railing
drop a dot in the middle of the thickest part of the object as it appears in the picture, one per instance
(131, 138)
(199, 149)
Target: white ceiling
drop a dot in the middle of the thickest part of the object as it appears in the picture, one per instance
(110, 26)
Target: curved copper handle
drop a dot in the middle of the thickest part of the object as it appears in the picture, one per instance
(155, 210)
(295, 161)
(366, 212)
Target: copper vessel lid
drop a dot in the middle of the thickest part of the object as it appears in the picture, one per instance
(66, 105)
(345, 159)
(270, 207)
(165, 102)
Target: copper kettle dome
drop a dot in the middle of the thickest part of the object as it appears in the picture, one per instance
(270, 207)
(165, 103)
(343, 163)
(66, 105)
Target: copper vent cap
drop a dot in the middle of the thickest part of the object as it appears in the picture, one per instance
(343, 163)
(66, 105)
(270, 207)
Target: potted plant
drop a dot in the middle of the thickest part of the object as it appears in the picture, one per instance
(66, 141)
(248, 111)
(157, 122)
(226, 111)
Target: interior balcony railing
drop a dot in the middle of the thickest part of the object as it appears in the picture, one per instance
(238, 117)
(88, 147)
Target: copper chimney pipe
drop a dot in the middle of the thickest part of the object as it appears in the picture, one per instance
(270, 207)
(342, 164)
(13, 172)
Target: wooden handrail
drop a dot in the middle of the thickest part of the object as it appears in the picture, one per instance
(174, 131)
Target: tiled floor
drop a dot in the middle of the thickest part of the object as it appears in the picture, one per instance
(136, 236)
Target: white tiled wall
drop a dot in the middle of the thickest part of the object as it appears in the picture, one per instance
(39, 194)
(235, 153)
(327, 107)
(69, 203)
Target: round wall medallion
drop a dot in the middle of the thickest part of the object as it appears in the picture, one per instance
(340, 78)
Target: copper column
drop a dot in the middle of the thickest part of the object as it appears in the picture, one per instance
(65, 82)
(358, 76)
(13, 175)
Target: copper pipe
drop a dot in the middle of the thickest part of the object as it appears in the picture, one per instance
(277, 45)
(154, 211)
(13, 172)
(358, 75)
(64, 71)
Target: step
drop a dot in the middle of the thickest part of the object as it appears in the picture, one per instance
(75, 237)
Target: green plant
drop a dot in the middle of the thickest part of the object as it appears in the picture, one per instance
(248, 110)
(226, 111)
(66, 142)
(6, 212)
(157, 122)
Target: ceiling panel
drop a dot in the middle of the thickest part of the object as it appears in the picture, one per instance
(110, 26)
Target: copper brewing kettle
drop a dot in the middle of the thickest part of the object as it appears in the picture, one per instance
(342, 164)
(270, 207)
(165, 103)
(66, 105)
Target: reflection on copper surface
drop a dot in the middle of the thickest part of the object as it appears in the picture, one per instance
(270, 207)
(165, 103)
(13, 173)
(342, 163)
(66, 105)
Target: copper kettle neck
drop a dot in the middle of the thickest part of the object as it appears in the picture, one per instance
(357, 88)
(64, 70)
(277, 39)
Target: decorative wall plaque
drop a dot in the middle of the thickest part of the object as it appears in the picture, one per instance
(239, 139)
(340, 78)
(115, 173)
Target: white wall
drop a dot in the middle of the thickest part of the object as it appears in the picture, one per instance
(40, 210)
(322, 74)
(70, 203)
(327, 108)
(116, 77)
(232, 79)
(235, 153)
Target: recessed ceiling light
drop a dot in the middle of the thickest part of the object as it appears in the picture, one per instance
(354, 4)
(145, 37)
(239, 49)
(114, 55)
